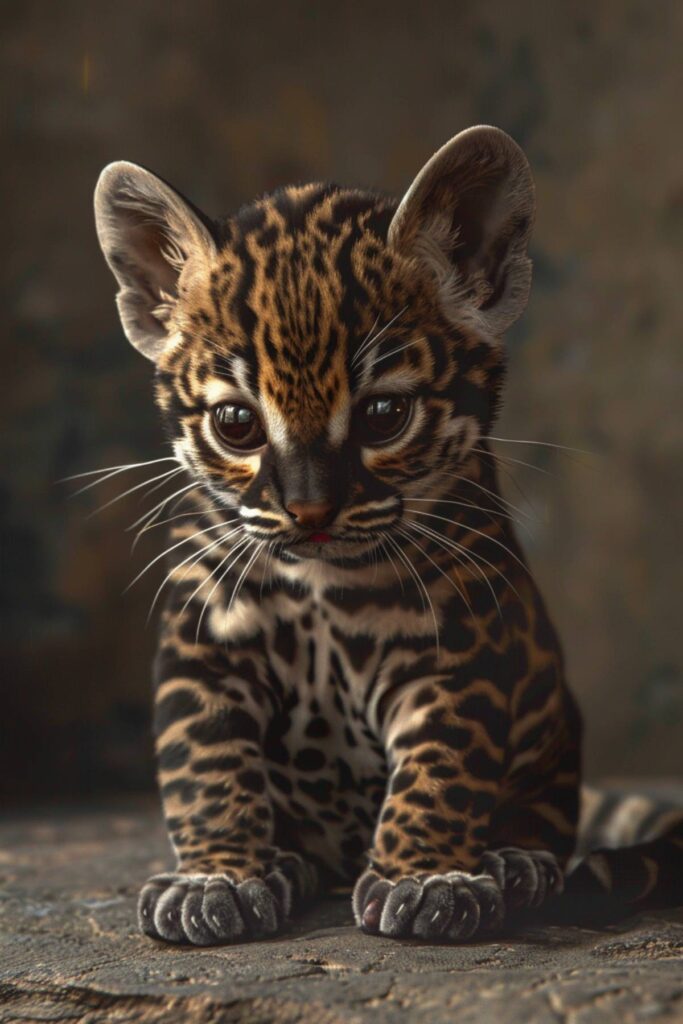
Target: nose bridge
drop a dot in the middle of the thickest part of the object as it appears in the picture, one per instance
(310, 475)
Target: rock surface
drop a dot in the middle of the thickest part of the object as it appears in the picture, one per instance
(71, 951)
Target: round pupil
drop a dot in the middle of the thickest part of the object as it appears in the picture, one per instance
(237, 423)
(385, 415)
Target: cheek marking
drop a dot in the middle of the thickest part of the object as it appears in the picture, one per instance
(377, 506)
(260, 513)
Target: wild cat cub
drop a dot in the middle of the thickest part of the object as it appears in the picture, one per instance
(356, 677)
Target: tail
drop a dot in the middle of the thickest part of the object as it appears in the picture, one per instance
(629, 855)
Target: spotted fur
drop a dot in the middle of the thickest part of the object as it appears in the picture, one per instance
(385, 700)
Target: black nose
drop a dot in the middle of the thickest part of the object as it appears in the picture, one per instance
(311, 515)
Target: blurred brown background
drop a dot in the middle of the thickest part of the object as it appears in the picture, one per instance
(229, 99)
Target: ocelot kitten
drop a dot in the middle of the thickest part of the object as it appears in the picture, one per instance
(357, 678)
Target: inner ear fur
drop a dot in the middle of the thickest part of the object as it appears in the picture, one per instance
(467, 219)
(153, 240)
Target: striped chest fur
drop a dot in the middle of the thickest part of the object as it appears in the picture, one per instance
(326, 670)
(325, 766)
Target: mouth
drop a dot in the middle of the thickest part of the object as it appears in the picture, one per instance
(324, 545)
(319, 537)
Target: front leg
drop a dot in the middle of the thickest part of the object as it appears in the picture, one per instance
(425, 878)
(231, 883)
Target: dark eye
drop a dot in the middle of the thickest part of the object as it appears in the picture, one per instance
(382, 418)
(239, 426)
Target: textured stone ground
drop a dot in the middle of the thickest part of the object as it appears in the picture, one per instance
(71, 952)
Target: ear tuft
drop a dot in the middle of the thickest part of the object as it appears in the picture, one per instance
(150, 236)
(467, 219)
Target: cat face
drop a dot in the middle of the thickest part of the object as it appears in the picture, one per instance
(326, 353)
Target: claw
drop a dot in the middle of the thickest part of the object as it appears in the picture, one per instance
(371, 916)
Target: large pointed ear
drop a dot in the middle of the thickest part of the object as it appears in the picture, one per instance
(467, 218)
(153, 240)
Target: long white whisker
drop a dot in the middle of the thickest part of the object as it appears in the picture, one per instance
(454, 549)
(197, 556)
(365, 340)
(131, 490)
(266, 563)
(474, 557)
(437, 566)
(215, 569)
(541, 444)
(490, 513)
(371, 341)
(150, 515)
(395, 351)
(172, 519)
(173, 473)
(416, 576)
(471, 529)
(509, 458)
(238, 586)
(277, 548)
(270, 558)
(501, 468)
(492, 494)
(465, 504)
(157, 508)
(157, 558)
(387, 553)
(238, 549)
(110, 471)
(399, 552)
(242, 546)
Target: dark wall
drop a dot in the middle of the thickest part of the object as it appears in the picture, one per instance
(229, 99)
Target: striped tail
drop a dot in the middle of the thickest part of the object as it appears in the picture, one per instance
(629, 856)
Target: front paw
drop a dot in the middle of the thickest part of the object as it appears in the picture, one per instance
(451, 907)
(208, 910)
(528, 878)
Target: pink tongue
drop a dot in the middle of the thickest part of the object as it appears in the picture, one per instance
(320, 538)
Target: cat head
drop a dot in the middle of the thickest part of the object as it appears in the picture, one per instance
(326, 353)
